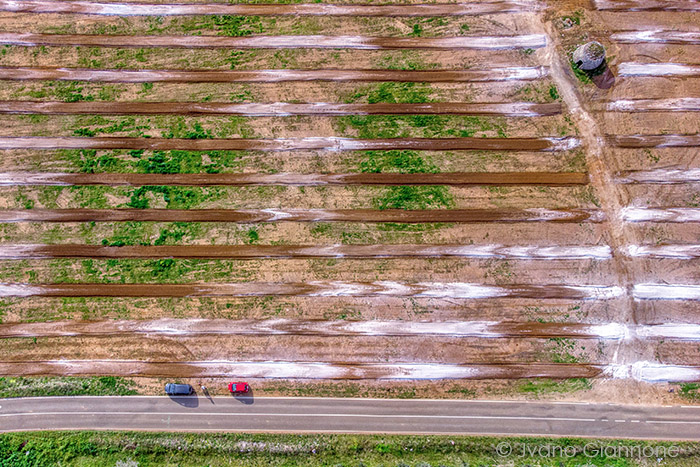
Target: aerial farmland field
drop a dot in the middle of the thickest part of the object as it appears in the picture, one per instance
(392, 200)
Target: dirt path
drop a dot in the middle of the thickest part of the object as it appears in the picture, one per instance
(316, 289)
(303, 370)
(302, 215)
(276, 42)
(292, 144)
(292, 179)
(180, 327)
(306, 251)
(272, 76)
(279, 109)
(149, 9)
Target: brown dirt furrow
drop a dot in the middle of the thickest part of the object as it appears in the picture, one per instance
(304, 251)
(654, 141)
(638, 69)
(656, 37)
(648, 5)
(301, 370)
(291, 144)
(301, 215)
(318, 9)
(275, 327)
(279, 109)
(288, 179)
(275, 42)
(680, 104)
(459, 290)
(271, 76)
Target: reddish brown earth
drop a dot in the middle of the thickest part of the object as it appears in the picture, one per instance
(510, 109)
(273, 42)
(300, 215)
(271, 76)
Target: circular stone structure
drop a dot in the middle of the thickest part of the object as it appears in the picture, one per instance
(589, 56)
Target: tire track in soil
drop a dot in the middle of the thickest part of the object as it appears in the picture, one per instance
(272, 76)
(306, 251)
(647, 5)
(291, 144)
(292, 179)
(300, 370)
(303, 215)
(461, 290)
(654, 141)
(279, 109)
(150, 9)
(656, 37)
(531, 41)
(195, 327)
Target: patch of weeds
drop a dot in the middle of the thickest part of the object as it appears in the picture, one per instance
(175, 197)
(146, 88)
(392, 92)
(403, 60)
(401, 161)
(414, 197)
(690, 391)
(580, 74)
(181, 130)
(563, 350)
(69, 91)
(425, 126)
(253, 236)
(528, 51)
(21, 199)
(554, 92)
(464, 28)
(548, 386)
(128, 233)
(224, 25)
(127, 124)
(176, 232)
(651, 156)
(66, 386)
(417, 30)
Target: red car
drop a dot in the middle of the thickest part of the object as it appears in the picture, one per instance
(238, 388)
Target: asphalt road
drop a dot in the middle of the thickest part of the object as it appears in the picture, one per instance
(299, 415)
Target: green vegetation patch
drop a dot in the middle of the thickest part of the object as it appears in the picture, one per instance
(66, 386)
(548, 386)
(189, 449)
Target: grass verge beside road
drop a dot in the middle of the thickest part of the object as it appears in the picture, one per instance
(182, 449)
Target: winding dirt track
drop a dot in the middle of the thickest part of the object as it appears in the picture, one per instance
(316, 289)
(654, 141)
(291, 144)
(304, 251)
(271, 76)
(302, 215)
(279, 109)
(275, 42)
(648, 5)
(289, 179)
(149, 9)
(301, 370)
(193, 327)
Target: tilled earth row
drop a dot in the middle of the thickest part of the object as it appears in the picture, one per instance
(111, 210)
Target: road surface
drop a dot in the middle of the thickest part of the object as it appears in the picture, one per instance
(309, 415)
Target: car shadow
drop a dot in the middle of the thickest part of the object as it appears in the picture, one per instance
(186, 401)
(248, 398)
